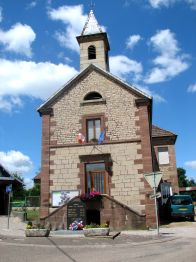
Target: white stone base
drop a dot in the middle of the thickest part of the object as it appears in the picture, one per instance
(96, 231)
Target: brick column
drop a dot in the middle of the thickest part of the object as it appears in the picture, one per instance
(144, 108)
(45, 167)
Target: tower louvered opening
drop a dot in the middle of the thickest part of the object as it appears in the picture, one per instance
(91, 52)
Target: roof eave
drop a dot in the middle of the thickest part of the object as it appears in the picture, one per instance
(49, 101)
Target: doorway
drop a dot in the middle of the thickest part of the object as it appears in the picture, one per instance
(92, 217)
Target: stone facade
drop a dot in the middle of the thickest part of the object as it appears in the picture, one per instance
(169, 170)
(126, 184)
(121, 124)
(101, 53)
(125, 113)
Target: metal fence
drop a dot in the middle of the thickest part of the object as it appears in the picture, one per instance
(26, 208)
(25, 202)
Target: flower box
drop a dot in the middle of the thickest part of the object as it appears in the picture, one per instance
(100, 231)
(37, 232)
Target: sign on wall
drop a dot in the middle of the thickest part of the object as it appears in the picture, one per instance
(61, 197)
(76, 211)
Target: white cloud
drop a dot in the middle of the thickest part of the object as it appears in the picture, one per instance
(159, 3)
(38, 80)
(170, 62)
(192, 4)
(18, 39)
(16, 162)
(1, 14)
(74, 19)
(123, 67)
(191, 164)
(28, 182)
(167, 3)
(133, 40)
(31, 5)
(192, 88)
(156, 97)
(7, 104)
(126, 3)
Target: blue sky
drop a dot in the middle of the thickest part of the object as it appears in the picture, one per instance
(153, 46)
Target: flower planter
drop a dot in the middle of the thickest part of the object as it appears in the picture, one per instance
(37, 232)
(101, 231)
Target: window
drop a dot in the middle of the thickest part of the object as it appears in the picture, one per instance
(163, 155)
(91, 52)
(92, 96)
(92, 126)
(93, 129)
(96, 177)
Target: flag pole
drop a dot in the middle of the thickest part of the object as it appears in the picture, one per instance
(8, 217)
(155, 203)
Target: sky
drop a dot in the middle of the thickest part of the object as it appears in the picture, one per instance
(153, 47)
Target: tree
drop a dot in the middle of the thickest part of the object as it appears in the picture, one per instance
(34, 191)
(182, 179)
(19, 190)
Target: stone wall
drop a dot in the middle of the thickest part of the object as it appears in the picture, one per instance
(126, 182)
(170, 170)
(100, 54)
(119, 216)
(119, 110)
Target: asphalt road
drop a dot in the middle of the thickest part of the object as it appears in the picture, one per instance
(124, 248)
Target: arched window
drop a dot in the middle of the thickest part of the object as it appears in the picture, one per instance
(92, 96)
(91, 52)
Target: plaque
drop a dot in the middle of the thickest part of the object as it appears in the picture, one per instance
(76, 210)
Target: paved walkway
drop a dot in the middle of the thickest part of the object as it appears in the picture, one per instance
(17, 229)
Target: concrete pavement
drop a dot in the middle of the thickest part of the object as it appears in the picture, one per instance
(17, 229)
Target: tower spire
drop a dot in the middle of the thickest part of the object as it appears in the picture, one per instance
(92, 5)
(94, 45)
(91, 26)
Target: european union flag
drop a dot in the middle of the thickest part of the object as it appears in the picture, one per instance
(101, 137)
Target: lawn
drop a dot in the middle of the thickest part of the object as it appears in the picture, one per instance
(32, 214)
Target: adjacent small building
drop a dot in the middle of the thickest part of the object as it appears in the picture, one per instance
(97, 135)
(6, 179)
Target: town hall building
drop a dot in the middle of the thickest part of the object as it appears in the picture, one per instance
(98, 136)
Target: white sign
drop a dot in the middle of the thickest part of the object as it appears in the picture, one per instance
(157, 195)
(61, 197)
(153, 179)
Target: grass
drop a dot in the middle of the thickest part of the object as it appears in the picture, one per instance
(32, 214)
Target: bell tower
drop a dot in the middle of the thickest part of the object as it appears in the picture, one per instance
(94, 45)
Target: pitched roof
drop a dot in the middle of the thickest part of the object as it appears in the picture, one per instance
(37, 178)
(92, 67)
(6, 176)
(159, 132)
(91, 26)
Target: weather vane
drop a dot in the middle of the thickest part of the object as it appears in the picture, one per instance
(91, 5)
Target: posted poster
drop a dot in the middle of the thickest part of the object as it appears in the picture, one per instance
(63, 196)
